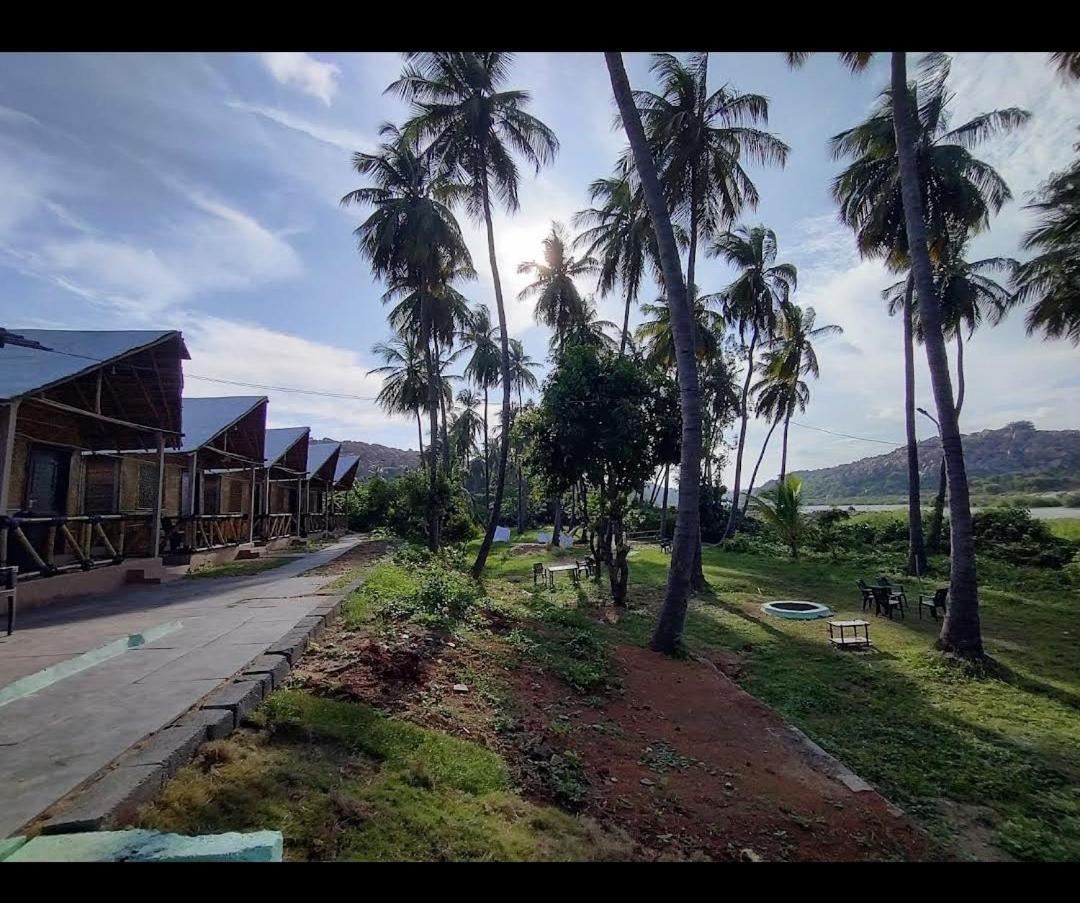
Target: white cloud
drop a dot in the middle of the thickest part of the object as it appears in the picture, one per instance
(344, 139)
(252, 353)
(305, 72)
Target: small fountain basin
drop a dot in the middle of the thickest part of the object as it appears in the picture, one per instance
(797, 611)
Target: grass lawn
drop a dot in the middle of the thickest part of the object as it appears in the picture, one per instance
(239, 568)
(1069, 527)
(986, 762)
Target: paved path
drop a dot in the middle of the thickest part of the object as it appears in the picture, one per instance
(53, 740)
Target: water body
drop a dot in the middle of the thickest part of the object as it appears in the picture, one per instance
(1037, 513)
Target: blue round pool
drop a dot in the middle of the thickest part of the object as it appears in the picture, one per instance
(797, 611)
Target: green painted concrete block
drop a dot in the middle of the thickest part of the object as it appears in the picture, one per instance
(151, 846)
(9, 845)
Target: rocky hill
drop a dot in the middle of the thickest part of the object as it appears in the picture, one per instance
(375, 457)
(1015, 458)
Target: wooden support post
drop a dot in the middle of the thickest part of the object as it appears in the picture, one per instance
(251, 509)
(193, 483)
(155, 527)
(8, 415)
(299, 506)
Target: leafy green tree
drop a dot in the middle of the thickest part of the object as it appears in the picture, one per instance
(781, 508)
(1050, 281)
(601, 419)
(476, 127)
(751, 305)
(412, 239)
(667, 637)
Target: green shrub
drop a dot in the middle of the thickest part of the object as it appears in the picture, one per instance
(407, 514)
(1011, 534)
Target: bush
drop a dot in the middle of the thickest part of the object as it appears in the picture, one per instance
(1013, 535)
(368, 505)
(407, 514)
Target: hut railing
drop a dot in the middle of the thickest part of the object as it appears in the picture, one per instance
(274, 526)
(60, 544)
(202, 532)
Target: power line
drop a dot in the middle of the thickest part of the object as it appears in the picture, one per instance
(818, 429)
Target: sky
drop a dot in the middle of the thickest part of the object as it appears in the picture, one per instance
(201, 192)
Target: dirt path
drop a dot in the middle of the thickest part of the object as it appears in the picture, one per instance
(689, 764)
(365, 554)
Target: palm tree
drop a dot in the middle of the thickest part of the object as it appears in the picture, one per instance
(521, 378)
(404, 389)
(465, 426)
(700, 142)
(774, 397)
(792, 355)
(412, 238)
(1067, 62)
(1052, 278)
(961, 193)
(657, 339)
(620, 233)
(781, 508)
(588, 329)
(475, 129)
(483, 369)
(558, 302)
(960, 629)
(750, 304)
(668, 634)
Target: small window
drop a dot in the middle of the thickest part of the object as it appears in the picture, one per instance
(100, 494)
(148, 486)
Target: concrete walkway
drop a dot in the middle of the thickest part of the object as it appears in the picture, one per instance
(53, 740)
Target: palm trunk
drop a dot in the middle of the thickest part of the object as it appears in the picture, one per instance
(433, 414)
(442, 408)
(663, 504)
(745, 416)
(420, 434)
(959, 372)
(960, 629)
(521, 481)
(783, 456)
(916, 561)
(487, 457)
(625, 324)
(669, 628)
(753, 476)
(504, 369)
(556, 519)
(933, 541)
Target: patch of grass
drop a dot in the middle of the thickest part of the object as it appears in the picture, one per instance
(343, 782)
(1065, 527)
(916, 725)
(238, 568)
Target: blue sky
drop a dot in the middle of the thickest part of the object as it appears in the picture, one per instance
(200, 192)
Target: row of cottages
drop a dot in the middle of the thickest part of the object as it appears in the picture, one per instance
(103, 462)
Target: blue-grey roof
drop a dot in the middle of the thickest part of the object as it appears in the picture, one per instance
(281, 440)
(205, 418)
(344, 464)
(318, 453)
(24, 371)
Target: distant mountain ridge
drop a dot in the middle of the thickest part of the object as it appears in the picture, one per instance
(374, 457)
(1015, 458)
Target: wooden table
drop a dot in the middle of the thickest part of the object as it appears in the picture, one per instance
(552, 569)
(838, 635)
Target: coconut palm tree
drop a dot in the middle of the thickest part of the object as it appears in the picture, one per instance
(774, 397)
(404, 389)
(1050, 281)
(588, 329)
(667, 637)
(412, 238)
(475, 128)
(521, 378)
(781, 508)
(701, 141)
(480, 337)
(960, 630)
(559, 304)
(961, 193)
(619, 235)
(465, 426)
(750, 305)
(657, 339)
(1067, 62)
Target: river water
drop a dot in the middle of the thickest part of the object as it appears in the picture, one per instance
(1037, 513)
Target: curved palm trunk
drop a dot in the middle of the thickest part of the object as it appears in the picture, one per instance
(783, 455)
(745, 416)
(960, 629)
(663, 504)
(442, 408)
(521, 483)
(420, 434)
(487, 457)
(959, 371)
(933, 541)
(504, 369)
(668, 634)
(433, 413)
(916, 560)
(753, 476)
(625, 324)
